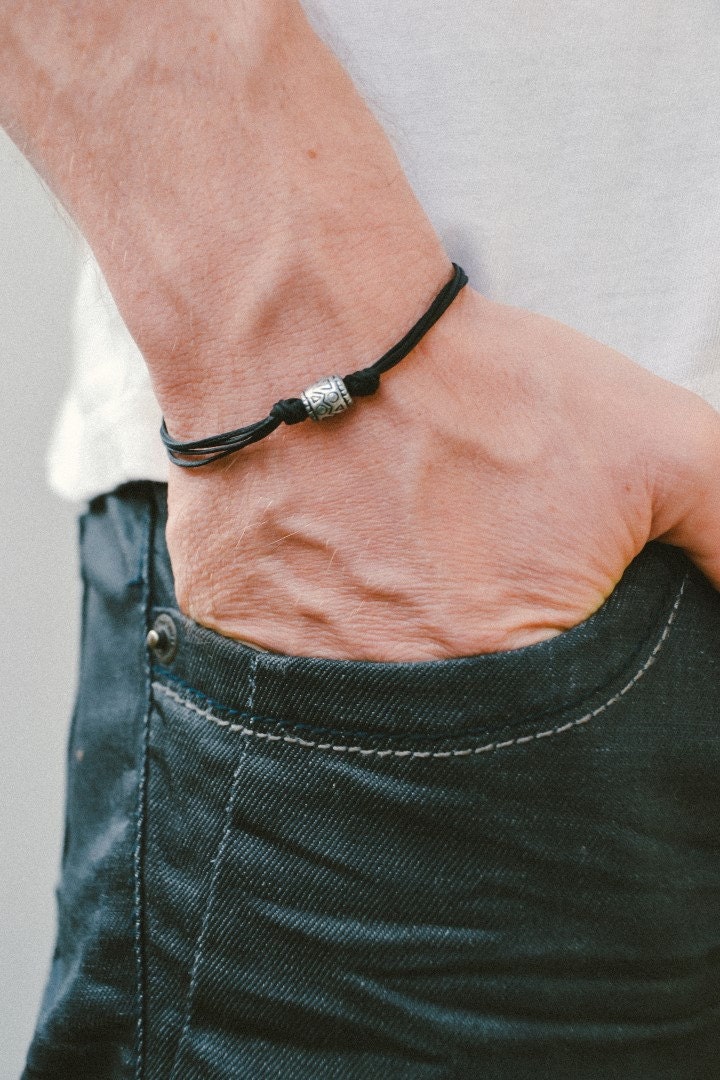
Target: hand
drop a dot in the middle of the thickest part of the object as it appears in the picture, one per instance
(489, 496)
(250, 217)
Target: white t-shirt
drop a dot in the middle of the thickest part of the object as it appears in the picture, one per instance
(568, 156)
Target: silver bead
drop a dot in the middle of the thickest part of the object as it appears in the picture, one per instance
(326, 397)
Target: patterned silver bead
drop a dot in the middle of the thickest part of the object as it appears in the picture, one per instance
(326, 397)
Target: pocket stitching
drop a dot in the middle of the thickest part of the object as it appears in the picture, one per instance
(465, 752)
(217, 865)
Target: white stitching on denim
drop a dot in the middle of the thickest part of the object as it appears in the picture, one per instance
(487, 748)
(253, 676)
(217, 866)
(141, 814)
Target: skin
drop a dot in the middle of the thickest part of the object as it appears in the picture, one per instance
(257, 232)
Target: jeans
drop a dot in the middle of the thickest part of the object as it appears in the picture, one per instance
(502, 866)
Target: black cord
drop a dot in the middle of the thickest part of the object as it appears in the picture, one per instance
(294, 410)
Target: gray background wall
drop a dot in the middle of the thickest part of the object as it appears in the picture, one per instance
(39, 593)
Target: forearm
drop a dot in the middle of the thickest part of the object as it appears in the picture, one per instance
(247, 210)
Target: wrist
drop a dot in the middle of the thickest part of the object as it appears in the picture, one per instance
(325, 319)
(409, 398)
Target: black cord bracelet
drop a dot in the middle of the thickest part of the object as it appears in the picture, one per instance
(327, 397)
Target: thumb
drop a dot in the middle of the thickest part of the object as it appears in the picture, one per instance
(686, 482)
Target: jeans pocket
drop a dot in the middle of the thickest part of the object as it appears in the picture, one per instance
(414, 708)
(474, 867)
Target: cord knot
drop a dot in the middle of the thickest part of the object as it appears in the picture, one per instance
(363, 383)
(289, 410)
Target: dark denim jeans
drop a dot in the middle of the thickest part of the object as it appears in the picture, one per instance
(503, 866)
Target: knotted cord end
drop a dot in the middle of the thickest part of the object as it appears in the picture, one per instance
(289, 410)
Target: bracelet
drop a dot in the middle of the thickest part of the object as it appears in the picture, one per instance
(327, 397)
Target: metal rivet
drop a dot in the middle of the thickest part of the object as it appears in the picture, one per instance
(163, 639)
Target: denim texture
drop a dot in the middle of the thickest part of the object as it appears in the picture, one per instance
(504, 866)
